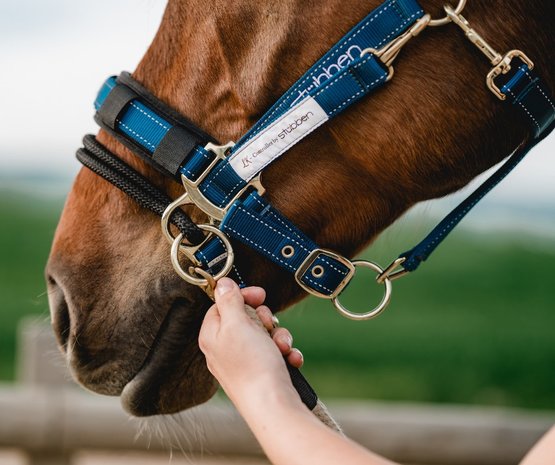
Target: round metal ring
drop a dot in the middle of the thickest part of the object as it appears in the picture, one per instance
(182, 200)
(189, 252)
(381, 306)
(445, 20)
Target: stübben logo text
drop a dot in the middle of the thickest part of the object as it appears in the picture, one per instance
(248, 159)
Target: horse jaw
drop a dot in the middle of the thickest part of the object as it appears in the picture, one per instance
(126, 322)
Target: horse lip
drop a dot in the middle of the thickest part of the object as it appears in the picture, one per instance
(177, 335)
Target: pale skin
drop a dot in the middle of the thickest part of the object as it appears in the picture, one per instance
(249, 366)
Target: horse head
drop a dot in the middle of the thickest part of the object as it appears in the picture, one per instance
(126, 322)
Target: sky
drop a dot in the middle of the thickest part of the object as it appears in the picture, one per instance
(54, 55)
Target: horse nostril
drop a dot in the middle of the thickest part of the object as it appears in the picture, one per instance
(59, 311)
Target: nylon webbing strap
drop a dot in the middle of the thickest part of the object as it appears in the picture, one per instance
(350, 85)
(254, 222)
(533, 102)
(340, 78)
(378, 28)
(146, 125)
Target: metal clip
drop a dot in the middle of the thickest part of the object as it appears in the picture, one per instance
(391, 273)
(501, 63)
(210, 281)
(388, 53)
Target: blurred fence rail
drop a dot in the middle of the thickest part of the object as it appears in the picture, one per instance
(51, 421)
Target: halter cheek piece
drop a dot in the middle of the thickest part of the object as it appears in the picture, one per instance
(224, 180)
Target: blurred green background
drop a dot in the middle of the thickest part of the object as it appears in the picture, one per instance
(475, 325)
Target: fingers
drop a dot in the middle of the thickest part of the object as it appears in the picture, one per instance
(295, 358)
(266, 317)
(209, 328)
(230, 303)
(229, 299)
(283, 340)
(254, 296)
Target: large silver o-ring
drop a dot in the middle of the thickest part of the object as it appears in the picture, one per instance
(377, 310)
(446, 19)
(189, 252)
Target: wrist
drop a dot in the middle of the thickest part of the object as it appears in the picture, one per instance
(267, 393)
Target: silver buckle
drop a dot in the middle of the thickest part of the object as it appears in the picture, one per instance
(309, 261)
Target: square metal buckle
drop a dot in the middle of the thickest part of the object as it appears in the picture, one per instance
(309, 261)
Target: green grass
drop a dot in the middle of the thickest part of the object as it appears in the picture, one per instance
(26, 229)
(474, 325)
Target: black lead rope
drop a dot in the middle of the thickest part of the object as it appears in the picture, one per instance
(104, 163)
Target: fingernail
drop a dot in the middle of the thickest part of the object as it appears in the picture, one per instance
(224, 285)
(287, 340)
(299, 352)
(275, 321)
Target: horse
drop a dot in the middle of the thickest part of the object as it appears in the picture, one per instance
(126, 322)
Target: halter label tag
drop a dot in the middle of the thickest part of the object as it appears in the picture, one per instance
(274, 140)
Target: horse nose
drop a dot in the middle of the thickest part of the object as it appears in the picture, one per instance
(59, 311)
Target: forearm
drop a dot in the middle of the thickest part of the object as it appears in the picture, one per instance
(291, 435)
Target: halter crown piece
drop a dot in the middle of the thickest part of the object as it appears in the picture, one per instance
(224, 180)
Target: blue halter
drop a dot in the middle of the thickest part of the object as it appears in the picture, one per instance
(223, 181)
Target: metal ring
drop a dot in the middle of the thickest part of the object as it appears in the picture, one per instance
(381, 306)
(189, 253)
(182, 200)
(446, 20)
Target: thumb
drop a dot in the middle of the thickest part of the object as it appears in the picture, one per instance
(229, 299)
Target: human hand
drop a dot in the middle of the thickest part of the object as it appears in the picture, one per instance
(238, 351)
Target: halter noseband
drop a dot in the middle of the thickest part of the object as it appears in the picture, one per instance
(224, 180)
